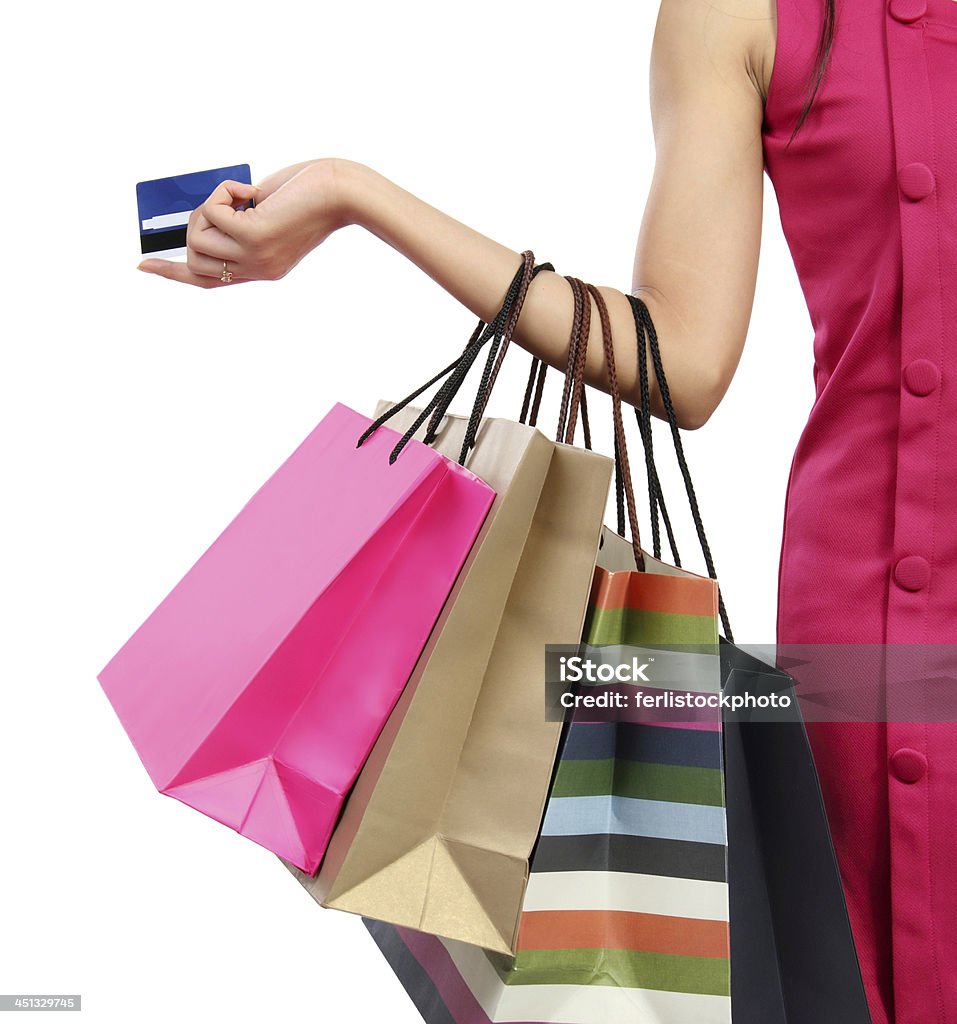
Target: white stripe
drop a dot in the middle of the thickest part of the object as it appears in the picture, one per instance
(163, 254)
(167, 220)
(579, 1004)
(619, 890)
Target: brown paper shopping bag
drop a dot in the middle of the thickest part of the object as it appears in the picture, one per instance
(440, 825)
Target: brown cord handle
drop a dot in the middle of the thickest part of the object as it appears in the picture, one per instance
(573, 392)
(573, 396)
(621, 446)
(573, 399)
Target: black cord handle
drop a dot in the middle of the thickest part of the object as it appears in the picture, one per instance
(644, 324)
(497, 350)
(455, 373)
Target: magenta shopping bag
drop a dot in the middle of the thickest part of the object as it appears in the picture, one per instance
(256, 689)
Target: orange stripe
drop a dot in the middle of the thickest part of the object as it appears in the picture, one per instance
(653, 592)
(622, 929)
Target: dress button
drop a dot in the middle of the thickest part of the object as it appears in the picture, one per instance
(912, 572)
(907, 10)
(916, 180)
(908, 765)
(921, 376)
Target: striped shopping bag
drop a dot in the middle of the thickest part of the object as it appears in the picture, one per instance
(625, 915)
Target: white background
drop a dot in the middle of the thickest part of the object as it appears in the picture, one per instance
(139, 414)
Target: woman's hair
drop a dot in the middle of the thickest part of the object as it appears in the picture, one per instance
(823, 52)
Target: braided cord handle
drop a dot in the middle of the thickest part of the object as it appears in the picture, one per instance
(497, 352)
(573, 392)
(644, 324)
(623, 470)
(500, 325)
(656, 499)
(504, 325)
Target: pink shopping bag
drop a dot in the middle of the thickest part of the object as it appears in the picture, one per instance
(256, 689)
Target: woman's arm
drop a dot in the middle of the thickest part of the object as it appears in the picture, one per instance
(696, 260)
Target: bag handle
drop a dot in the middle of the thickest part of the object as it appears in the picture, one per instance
(455, 371)
(501, 325)
(645, 325)
(656, 499)
(573, 398)
(622, 468)
(509, 316)
(496, 355)
(573, 392)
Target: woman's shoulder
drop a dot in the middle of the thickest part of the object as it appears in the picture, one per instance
(740, 34)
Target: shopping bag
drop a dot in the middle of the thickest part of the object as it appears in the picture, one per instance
(793, 959)
(625, 915)
(257, 687)
(793, 950)
(438, 830)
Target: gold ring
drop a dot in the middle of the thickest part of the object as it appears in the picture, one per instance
(226, 275)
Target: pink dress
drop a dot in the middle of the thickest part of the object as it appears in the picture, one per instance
(868, 200)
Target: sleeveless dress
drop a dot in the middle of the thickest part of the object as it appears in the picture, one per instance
(867, 193)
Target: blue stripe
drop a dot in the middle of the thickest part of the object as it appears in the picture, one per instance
(599, 741)
(626, 816)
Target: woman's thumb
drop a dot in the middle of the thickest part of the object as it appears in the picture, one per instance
(220, 207)
(234, 191)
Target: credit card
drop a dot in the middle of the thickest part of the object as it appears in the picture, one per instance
(164, 206)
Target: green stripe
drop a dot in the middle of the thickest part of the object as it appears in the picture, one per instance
(701, 975)
(642, 780)
(635, 626)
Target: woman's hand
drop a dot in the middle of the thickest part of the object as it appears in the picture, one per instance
(296, 209)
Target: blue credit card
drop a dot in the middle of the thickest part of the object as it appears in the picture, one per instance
(164, 206)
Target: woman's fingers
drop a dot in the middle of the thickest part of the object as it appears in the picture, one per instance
(208, 266)
(210, 241)
(218, 208)
(174, 271)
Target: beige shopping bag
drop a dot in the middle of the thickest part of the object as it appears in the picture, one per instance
(440, 825)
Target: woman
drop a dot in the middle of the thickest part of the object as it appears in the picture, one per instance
(849, 106)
